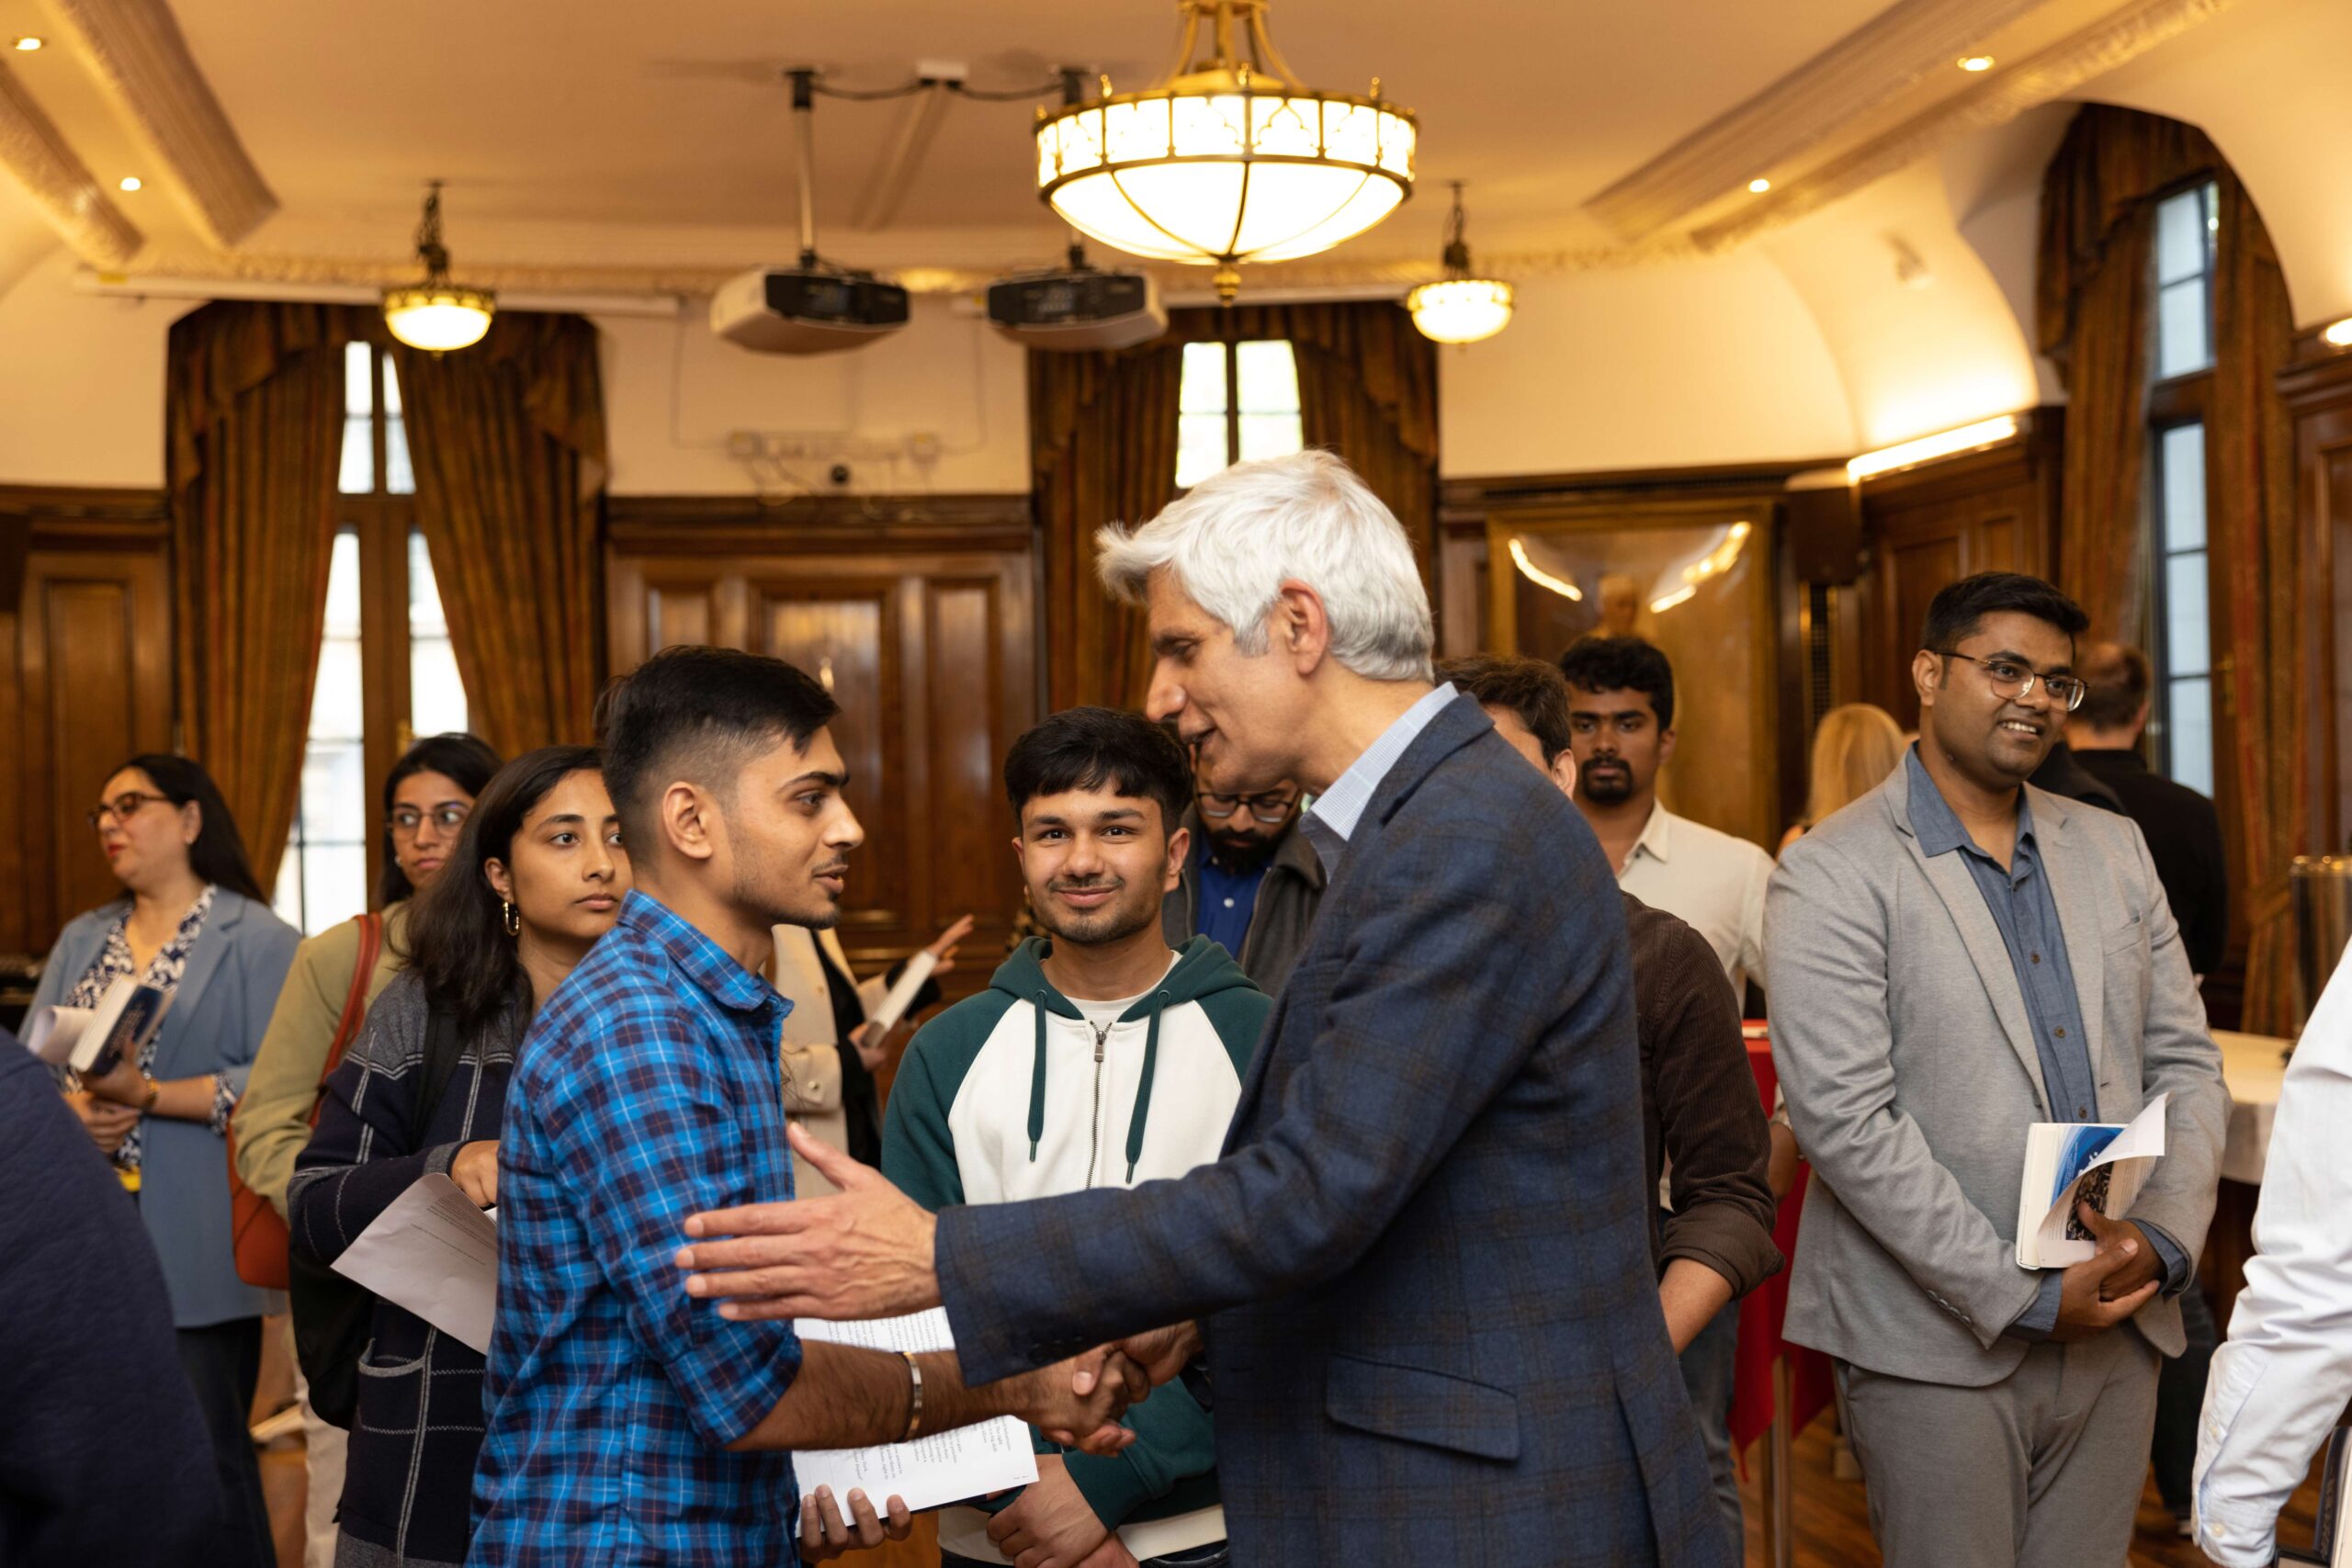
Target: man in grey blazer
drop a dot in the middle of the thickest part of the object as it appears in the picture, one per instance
(1422, 1268)
(1956, 956)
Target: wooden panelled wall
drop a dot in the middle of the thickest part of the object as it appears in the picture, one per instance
(920, 615)
(85, 617)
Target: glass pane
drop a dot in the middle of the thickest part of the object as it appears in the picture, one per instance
(399, 478)
(2181, 345)
(334, 883)
(1202, 389)
(335, 711)
(1199, 447)
(2190, 737)
(2184, 488)
(437, 697)
(1269, 376)
(359, 370)
(2180, 236)
(425, 617)
(357, 476)
(1270, 435)
(342, 586)
(335, 793)
(2187, 640)
(391, 388)
(287, 897)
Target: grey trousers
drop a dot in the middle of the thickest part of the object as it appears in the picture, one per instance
(2041, 1470)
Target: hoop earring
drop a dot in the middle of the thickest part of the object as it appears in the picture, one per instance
(514, 921)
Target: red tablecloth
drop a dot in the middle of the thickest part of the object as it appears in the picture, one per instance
(1765, 1309)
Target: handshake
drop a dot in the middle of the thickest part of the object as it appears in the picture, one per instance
(1077, 1402)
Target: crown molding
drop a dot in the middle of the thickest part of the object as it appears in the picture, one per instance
(1871, 65)
(63, 187)
(137, 53)
(2050, 73)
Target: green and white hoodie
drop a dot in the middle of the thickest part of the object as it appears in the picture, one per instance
(1014, 1094)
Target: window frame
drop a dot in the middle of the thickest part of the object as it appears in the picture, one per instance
(2174, 402)
(1230, 342)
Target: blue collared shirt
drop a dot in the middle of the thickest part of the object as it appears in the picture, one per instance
(647, 1090)
(1228, 900)
(1331, 821)
(2026, 912)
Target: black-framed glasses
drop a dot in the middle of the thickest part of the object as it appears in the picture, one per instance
(2012, 681)
(405, 822)
(123, 805)
(1270, 810)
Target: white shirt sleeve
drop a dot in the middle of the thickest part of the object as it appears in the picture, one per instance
(1751, 923)
(2279, 1382)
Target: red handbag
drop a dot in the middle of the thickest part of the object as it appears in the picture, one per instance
(260, 1234)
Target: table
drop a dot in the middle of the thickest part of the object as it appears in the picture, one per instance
(2254, 1067)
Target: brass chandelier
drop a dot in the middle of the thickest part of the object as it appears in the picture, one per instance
(1227, 159)
(436, 315)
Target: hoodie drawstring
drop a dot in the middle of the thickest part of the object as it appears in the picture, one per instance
(1143, 1087)
(1037, 1083)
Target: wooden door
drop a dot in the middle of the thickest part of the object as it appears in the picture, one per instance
(926, 634)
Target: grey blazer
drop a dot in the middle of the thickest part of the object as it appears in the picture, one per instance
(214, 1025)
(1902, 1041)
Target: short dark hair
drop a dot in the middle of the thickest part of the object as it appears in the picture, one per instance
(218, 853)
(456, 938)
(1088, 747)
(2116, 681)
(1529, 688)
(704, 713)
(1960, 608)
(1622, 664)
(464, 759)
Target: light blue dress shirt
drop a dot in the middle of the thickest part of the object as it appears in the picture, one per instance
(1331, 821)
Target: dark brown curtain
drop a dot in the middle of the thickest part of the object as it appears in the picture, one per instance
(1102, 449)
(508, 442)
(2267, 678)
(1102, 428)
(253, 412)
(2091, 320)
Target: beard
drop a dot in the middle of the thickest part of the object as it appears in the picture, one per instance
(1242, 852)
(1605, 784)
(1126, 913)
(777, 899)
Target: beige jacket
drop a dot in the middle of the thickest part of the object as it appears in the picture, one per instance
(273, 1121)
(812, 1063)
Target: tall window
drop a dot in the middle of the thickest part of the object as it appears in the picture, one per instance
(386, 671)
(1237, 401)
(2187, 226)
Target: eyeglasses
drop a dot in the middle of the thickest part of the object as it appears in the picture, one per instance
(2012, 681)
(1267, 809)
(448, 819)
(123, 805)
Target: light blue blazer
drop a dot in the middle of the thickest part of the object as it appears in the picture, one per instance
(214, 1025)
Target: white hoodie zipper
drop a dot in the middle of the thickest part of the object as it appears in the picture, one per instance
(1094, 1127)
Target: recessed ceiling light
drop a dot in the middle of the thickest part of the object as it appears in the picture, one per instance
(130, 181)
(1977, 62)
(1759, 186)
(27, 44)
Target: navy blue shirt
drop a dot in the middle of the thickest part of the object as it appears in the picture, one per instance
(2026, 912)
(1227, 899)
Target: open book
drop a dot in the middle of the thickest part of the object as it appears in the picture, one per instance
(2071, 1162)
(92, 1040)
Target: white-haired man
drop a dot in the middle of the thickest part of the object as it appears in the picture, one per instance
(1422, 1270)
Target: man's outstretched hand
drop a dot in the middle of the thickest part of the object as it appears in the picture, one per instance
(1159, 1354)
(863, 1253)
(1077, 1402)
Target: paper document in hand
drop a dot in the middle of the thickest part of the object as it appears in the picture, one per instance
(435, 1253)
(902, 994)
(90, 1039)
(940, 1467)
(2067, 1163)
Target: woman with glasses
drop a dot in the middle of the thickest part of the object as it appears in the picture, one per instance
(537, 876)
(193, 923)
(426, 798)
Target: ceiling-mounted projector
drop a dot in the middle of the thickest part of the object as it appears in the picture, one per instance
(1078, 307)
(805, 310)
(813, 308)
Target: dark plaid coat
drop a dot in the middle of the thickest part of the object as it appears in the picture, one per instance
(1423, 1263)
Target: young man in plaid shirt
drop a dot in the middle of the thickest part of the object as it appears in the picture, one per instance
(628, 1423)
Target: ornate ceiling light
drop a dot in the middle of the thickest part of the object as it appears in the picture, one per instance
(1460, 308)
(437, 315)
(1227, 159)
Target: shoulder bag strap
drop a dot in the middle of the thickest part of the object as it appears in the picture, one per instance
(442, 1054)
(355, 1006)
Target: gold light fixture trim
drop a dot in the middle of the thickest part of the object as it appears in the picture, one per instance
(1227, 159)
(1927, 448)
(1460, 308)
(437, 315)
(1538, 576)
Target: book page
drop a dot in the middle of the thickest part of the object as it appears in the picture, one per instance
(937, 1467)
(902, 994)
(2107, 1176)
(435, 1253)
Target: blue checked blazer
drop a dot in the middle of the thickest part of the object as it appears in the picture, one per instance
(1422, 1265)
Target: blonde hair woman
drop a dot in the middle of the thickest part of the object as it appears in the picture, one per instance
(1854, 749)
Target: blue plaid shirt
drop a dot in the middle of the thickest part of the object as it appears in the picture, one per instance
(648, 1088)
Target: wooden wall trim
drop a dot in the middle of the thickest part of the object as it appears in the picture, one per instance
(1464, 503)
(827, 524)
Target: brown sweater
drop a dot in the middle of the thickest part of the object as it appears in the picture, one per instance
(1700, 1108)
